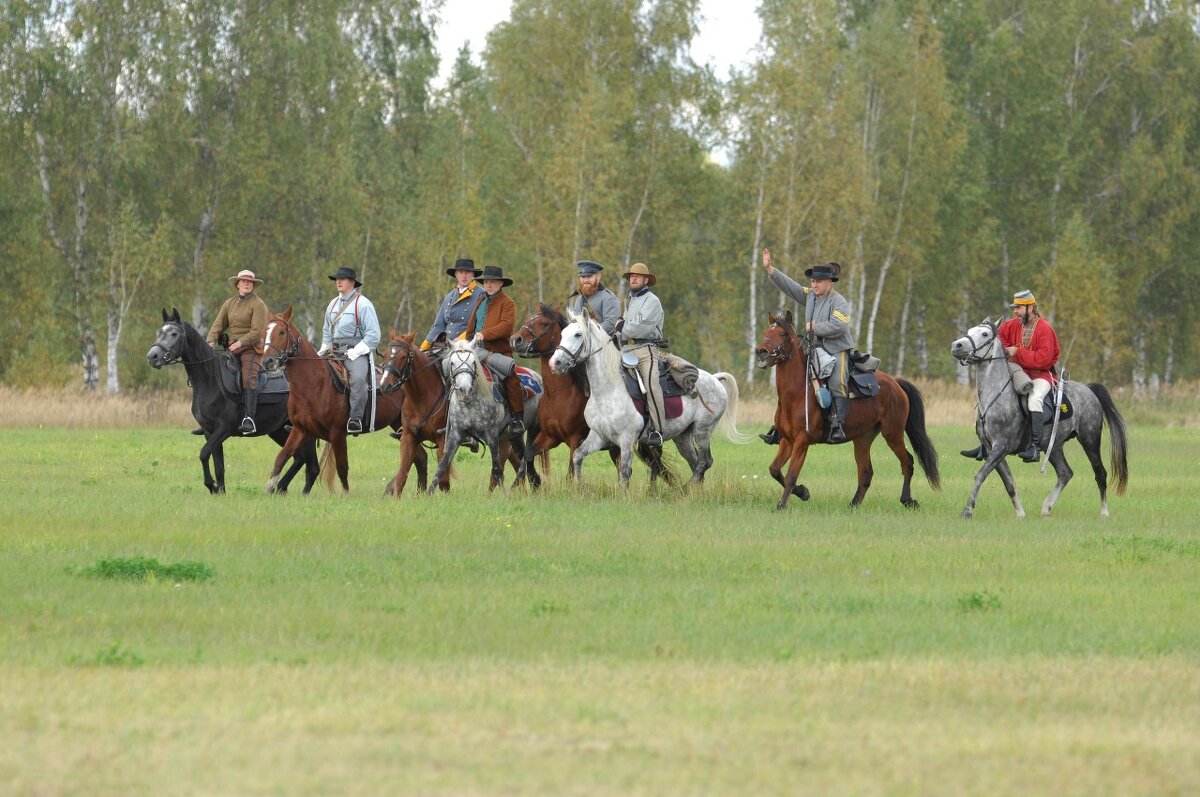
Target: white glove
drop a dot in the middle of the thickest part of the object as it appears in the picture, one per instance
(325, 347)
(359, 350)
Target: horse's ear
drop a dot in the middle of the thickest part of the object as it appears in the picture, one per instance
(771, 318)
(787, 316)
(165, 318)
(175, 316)
(409, 338)
(286, 315)
(391, 333)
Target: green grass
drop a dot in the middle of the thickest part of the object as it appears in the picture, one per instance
(154, 638)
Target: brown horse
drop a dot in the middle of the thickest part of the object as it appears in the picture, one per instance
(315, 406)
(560, 413)
(425, 408)
(897, 409)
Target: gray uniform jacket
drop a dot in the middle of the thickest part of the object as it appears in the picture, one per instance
(830, 314)
(603, 303)
(455, 312)
(643, 319)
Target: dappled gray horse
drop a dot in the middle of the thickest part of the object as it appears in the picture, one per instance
(612, 418)
(1003, 428)
(476, 412)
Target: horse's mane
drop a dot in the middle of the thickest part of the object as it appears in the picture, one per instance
(553, 313)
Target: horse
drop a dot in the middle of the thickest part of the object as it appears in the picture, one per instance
(560, 412)
(1003, 428)
(217, 412)
(474, 411)
(316, 407)
(896, 410)
(613, 419)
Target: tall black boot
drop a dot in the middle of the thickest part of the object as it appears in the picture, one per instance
(771, 437)
(250, 402)
(979, 452)
(837, 416)
(1033, 452)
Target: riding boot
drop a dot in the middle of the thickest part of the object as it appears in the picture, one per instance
(516, 404)
(979, 452)
(771, 437)
(398, 434)
(198, 432)
(250, 402)
(651, 436)
(837, 415)
(1033, 452)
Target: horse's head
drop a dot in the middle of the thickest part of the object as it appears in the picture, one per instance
(281, 341)
(976, 343)
(463, 363)
(577, 342)
(168, 344)
(398, 368)
(779, 341)
(541, 334)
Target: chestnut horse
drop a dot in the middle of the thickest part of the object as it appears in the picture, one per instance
(560, 413)
(418, 377)
(315, 406)
(897, 409)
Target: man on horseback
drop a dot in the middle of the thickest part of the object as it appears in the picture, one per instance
(351, 328)
(456, 308)
(827, 317)
(241, 320)
(1030, 342)
(493, 320)
(592, 295)
(641, 330)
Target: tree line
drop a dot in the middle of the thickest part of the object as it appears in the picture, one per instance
(946, 152)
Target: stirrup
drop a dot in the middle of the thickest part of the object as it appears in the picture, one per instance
(516, 424)
(1031, 454)
(248, 426)
(976, 453)
(354, 426)
(398, 434)
(836, 433)
(771, 437)
(654, 439)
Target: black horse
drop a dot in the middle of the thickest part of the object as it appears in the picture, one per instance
(218, 412)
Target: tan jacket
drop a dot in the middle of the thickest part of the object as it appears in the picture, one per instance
(498, 323)
(242, 318)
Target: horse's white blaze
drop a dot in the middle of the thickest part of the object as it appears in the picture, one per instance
(267, 338)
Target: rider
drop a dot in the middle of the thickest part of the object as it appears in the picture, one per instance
(242, 319)
(456, 308)
(351, 328)
(827, 316)
(1030, 342)
(641, 330)
(592, 294)
(495, 316)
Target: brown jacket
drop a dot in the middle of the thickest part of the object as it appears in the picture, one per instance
(242, 319)
(498, 324)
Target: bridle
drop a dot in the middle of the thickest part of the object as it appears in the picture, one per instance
(174, 356)
(401, 375)
(784, 351)
(462, 362)
(292, 351)
(528, 350)
(973, 357)
(575, 356)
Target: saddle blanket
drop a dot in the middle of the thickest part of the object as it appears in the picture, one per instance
(530, 384)
(672, 406)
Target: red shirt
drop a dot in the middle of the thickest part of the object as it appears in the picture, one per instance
(1042, 352)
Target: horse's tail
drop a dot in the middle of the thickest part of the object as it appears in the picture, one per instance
(1116, 427)
(328, 467)
(914, 426)
(728, 421)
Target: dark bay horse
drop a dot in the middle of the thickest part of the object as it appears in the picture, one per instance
(316, 407)
(897, 409)
(560, 412)
(1004, 429)
(218, 412)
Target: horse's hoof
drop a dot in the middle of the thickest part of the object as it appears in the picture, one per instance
(801, 492)
(967, 514)
(911, 504)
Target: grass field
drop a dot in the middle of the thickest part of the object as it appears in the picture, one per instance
(155, 639)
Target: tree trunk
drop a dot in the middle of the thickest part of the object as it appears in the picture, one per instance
(752, 314)
(903, 327)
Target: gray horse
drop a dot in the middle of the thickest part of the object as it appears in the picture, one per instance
(476, 412)
(1003, 428)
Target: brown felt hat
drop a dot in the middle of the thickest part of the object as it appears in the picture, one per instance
(643, 269)
(244, 274)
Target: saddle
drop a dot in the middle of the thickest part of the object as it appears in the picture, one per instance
(861, 377)
(341, 378)
(530, 386)
(273, 386)
(672, 391)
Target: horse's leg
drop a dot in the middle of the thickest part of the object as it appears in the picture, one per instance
(776, 471)
(497, 477)
(798, 454)
(530, 463)
(298, 461)
(893, 433)
(1010, 486)
(1064, 475)
(406, 460)
(211, 444)
(1092, 449)
(685, 445)
(295, 439)
(450, 443)
(593, 442)
(995, 457)
(337, 439)
(219, 466)
(625, 466)
(866, 472)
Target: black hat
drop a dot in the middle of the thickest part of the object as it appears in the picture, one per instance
(825, 271)
(345, 272)
(494, 273)
(463, 264)
(589, 267)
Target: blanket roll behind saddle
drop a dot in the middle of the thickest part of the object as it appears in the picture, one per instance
(683, 372)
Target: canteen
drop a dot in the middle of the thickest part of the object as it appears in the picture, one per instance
(824, 399)
(629, 359)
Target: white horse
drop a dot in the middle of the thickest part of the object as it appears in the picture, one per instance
(475, 411)
(613, 419)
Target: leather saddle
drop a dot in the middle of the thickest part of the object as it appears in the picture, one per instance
(273, 386)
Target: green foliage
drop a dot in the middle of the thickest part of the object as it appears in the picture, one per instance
(141, 568)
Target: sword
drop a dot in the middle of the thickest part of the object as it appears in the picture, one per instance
(1062, 381)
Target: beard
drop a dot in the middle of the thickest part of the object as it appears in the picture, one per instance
(589, 289)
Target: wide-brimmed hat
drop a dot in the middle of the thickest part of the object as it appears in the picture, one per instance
(643, 269)
(589, 267)
(825, 271)
(346, 273)
(463, 264)
(1022, 299)
(493, 273)
(244, 274)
